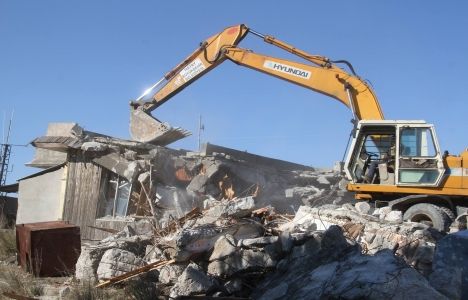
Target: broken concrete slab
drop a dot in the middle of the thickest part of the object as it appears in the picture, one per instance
(363, 207)
(394, 216)
(119, 165)
(195, 240)
(259, 242)
(170, 274)
(116, 262)
(192, 281)
(91, 255)
(224, 246)
(241, 260)
(237, 208)
(94, 147)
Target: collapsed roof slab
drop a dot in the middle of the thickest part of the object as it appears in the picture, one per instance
(119, 165)
(210, 149)
(48, 157)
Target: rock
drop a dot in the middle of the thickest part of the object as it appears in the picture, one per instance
(224, 246)
(88, 263)
(450, 268)
(356, 276)
(198, 184)
(209, 202)
(144, 177)
(153, 254)
(278, 292)
(116, 262)
(259, 242)
(241, 260)
(309, 219)
(130, 155)
(362, 207)
(286, 241)
(307, 249)
(233, 286)
(245, 230)
(395, 216)
(169, 274)
(195, 240)
(64, 293)
(348, 206)
(299, 238)
(237, 208)
(382, 212)
(192, 281)
(94, 146)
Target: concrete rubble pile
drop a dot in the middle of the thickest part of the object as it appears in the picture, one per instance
(235, 248)
(226, 223)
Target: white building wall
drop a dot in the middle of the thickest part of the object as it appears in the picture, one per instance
(40, 198)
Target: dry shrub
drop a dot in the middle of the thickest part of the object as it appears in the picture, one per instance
(14, 280)
(141, 290)
(7, 243)
(85, 290)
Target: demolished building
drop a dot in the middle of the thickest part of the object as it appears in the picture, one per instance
(226, 223)
(101, 183)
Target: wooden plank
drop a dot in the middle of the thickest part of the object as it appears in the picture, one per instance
(82, 194)
(104, 229)
(136, 272)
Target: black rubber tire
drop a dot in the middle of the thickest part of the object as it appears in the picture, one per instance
(429, 214)
(448, 212)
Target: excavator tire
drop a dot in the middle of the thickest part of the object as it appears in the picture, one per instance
(428, 214)
(448, 212)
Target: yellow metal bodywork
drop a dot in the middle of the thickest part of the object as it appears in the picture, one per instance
(321, 75)
(324, 77)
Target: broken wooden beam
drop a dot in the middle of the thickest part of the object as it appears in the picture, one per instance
(110, 230)
(136, 272)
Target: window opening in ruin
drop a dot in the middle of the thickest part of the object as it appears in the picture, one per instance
(114, 196)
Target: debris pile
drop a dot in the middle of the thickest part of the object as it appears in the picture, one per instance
(233, 248)
(226, 223)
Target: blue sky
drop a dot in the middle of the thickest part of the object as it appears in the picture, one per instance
(83, 61)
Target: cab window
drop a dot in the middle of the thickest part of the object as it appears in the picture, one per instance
(417, 142)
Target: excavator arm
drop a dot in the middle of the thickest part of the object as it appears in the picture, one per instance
(321, 75)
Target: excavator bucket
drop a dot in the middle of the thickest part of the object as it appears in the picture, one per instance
(147, 129)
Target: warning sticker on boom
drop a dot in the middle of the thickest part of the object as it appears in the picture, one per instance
(192, 69)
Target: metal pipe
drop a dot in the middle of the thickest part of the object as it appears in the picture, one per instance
(257, 33)
(151, 88)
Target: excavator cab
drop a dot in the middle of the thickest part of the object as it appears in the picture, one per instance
(402, 153)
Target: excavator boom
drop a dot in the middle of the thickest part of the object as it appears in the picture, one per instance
(397, 162)
(321, 75)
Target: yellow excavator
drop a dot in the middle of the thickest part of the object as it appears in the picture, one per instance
(394, 163)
